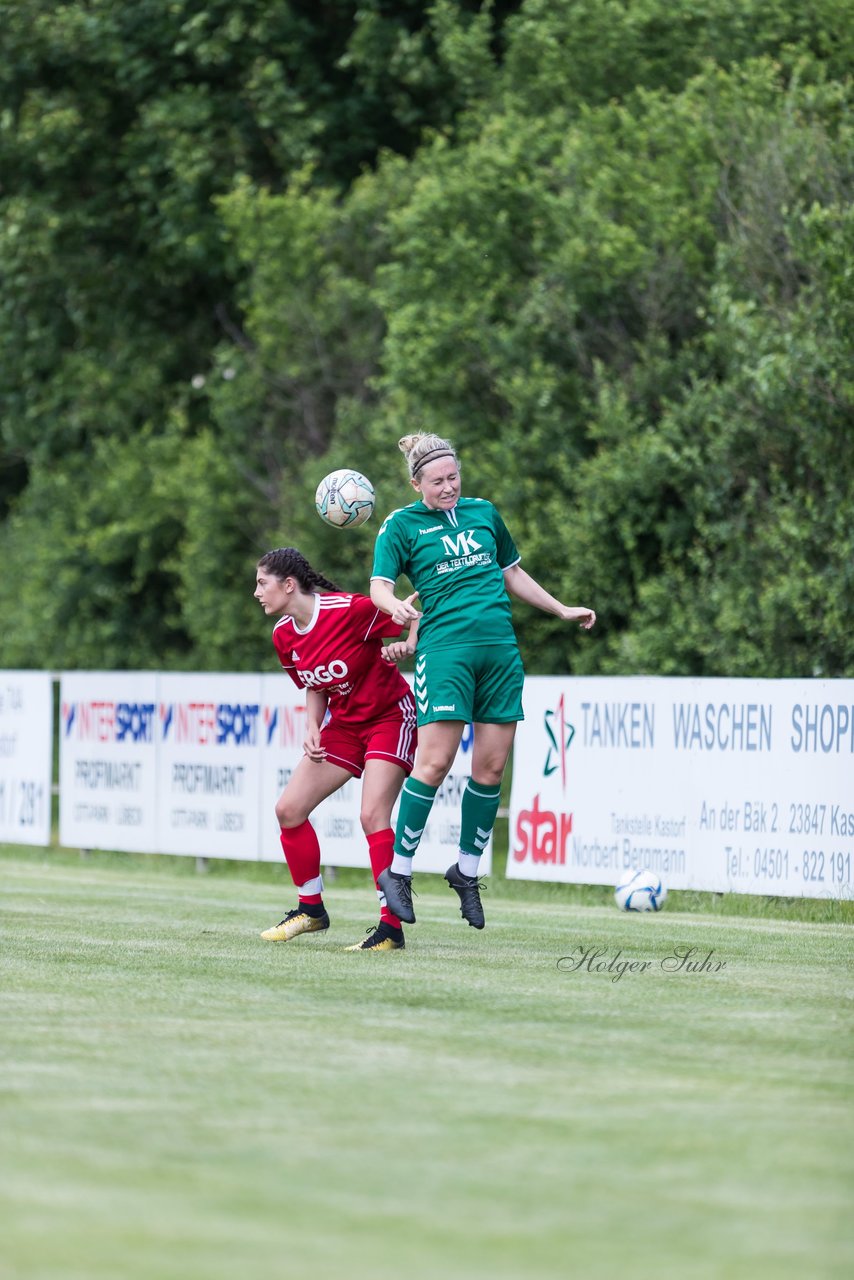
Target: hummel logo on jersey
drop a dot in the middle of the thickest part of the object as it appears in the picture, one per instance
(463, 544)
(434, 528)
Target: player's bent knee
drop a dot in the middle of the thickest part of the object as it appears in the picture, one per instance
(438, 743)
(490, 775)
(433, 770)
(372, 820)
(290, 815)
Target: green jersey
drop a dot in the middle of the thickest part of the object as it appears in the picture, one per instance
(455, 561)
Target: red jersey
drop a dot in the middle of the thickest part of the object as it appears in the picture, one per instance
(338, 654)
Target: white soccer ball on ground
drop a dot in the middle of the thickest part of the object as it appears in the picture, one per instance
(640, 891)
(345, 498)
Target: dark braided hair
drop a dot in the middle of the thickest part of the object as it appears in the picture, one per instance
(287, 562)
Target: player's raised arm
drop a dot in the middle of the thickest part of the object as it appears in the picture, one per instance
(521, 585)
(402, 611)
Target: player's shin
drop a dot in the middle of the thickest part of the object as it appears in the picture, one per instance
(302, 854)
(416, 801)
(479, 811)
(381, 851)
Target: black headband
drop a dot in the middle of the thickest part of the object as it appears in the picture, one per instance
(445, 451)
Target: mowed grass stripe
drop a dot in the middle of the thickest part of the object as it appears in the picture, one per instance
(180, 1098)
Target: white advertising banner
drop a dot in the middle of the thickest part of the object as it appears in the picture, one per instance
(107, 760)
(741, 786)
(209, 765)
(26, 756)
(336, 820)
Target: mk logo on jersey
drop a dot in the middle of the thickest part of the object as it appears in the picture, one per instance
(463, 544)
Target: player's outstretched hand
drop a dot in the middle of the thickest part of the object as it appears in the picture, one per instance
(399, 650)
(586, 618)
(405, 611)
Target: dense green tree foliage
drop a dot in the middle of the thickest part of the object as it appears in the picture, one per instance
(604, 246)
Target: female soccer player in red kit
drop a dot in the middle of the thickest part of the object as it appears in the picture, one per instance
(330, 644)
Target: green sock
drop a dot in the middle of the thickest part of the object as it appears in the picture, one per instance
(480, 807)
(416, 801)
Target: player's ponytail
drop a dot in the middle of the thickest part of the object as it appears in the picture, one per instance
(287, 562)
(424, 447)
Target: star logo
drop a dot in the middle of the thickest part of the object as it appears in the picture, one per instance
(560, 734)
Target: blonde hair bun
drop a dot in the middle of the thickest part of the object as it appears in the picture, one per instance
(422, 447)
(407, 443)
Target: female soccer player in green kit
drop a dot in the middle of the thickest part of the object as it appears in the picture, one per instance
(462, 561)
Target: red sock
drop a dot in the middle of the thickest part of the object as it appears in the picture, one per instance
(302, 854)
(381, 850)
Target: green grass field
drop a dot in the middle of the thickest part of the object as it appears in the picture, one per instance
(180, 1099)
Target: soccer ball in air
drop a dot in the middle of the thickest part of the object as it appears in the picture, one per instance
(345, 498)
(640, 891)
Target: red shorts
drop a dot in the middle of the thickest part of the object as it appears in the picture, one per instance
(391, 738)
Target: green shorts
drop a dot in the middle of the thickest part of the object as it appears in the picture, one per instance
(472, 684)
